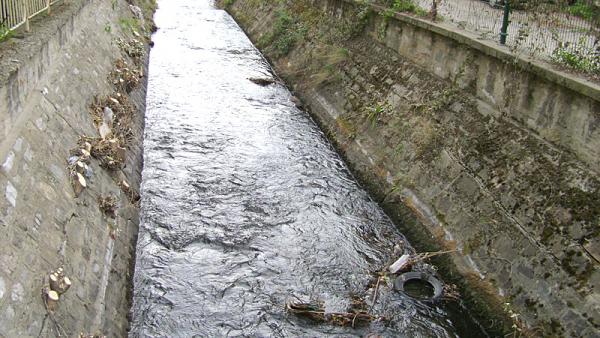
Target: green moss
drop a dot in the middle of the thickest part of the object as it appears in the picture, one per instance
(228, 3)
(286, 32)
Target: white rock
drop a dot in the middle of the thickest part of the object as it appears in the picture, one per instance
(11, 194)
(17, 293)
(18, 145)
(8, 162)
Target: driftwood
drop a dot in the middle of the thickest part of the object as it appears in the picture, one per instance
(261, 81)
(316, 311)
(58, 281)
(51, 299)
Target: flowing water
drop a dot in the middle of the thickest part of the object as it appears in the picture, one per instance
(246, 205)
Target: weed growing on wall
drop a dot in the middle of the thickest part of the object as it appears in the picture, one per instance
(228, 3)
(5, 33)
(287, 30)
(377, 111)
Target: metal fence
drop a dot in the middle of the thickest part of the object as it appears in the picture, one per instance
(16, 13)
(538, 31)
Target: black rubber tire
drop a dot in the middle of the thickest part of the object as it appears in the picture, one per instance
(438, 288)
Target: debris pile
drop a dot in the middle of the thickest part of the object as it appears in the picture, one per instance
(133, 196)
(109, 152)
(120, 112)
(134, 48)
(124, 77)
(58, 284)
(357, 314)
(86, 335)
(113, 116)
(79, 171)
(108, 205)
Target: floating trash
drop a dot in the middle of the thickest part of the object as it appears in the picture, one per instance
(262, 81)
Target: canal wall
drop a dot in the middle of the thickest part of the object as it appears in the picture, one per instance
(493, 154)
(49, 79)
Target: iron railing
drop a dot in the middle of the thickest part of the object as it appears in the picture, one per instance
(17, 13)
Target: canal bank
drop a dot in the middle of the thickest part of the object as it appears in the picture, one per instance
(494, 155)
(68, 201)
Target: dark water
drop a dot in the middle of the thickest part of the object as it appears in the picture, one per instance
(245, 204)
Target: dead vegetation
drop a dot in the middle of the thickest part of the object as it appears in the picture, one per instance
(134, 48)
(78, 167)
(109, 152)
(356, 315)
(113, 116)
(126, 78)
(132, 195)
(123, 113)
(87, 335)
(108, 205)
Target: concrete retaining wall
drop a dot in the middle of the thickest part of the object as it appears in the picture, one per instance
(496, 155)
(48, 80)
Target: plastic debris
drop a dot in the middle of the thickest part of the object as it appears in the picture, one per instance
(400, 264)
(88, 173)
(72, 160)
(105, 128)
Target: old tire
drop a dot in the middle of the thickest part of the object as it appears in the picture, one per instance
(438, 288)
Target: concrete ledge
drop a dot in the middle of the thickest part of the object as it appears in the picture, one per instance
(542, 69)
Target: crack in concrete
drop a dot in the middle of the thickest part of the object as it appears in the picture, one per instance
(57, 111)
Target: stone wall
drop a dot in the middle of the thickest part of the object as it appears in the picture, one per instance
(48, 80)
(496, 155)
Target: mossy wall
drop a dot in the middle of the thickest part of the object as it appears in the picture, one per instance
(494, 156)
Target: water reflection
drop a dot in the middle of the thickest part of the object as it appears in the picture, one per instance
(245, 204)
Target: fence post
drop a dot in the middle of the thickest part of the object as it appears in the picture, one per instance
(504, 30)
(25, 16)
(48, 5)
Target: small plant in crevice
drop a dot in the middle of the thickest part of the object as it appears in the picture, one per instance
(376, 112)
(5, 33)
(382, 29)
